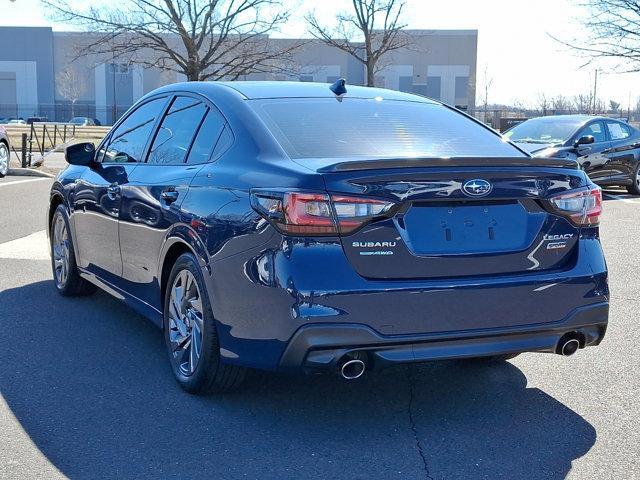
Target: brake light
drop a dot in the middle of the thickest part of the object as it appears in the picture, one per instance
(303, 213)
(582, 208)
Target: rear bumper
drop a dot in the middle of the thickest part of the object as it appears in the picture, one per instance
(277, 306)
(320, 346)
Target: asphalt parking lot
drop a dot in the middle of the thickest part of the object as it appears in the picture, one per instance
(86, 392)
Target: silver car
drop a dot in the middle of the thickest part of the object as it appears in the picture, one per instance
(4, 152)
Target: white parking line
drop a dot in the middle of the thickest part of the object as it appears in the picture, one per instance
(31, 247)
(4, 184)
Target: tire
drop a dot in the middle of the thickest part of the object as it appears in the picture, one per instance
(634, 188)
(4, 159)
(66, 277)
(190, 333)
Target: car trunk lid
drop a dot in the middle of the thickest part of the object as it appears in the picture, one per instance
(458, 217)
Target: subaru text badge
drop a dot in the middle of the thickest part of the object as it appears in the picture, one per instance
(477, 188)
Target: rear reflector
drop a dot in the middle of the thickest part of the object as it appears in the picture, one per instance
(582, 208)
(302, 213)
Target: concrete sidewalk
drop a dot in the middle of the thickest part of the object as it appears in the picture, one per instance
(54, 160)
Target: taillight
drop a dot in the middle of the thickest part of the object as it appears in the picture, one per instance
(582, 208)
(303, 213)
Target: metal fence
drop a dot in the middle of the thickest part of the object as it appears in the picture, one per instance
(62, 112)
(37, 140)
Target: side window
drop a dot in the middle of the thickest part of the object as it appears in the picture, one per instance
(176, 131)
(131, 136)
(206, 138)
(596, 130)
(618, 131)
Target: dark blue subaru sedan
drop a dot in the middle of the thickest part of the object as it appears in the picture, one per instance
(296, 227)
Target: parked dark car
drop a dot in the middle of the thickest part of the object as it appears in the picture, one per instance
(82, 121)
(32, 120)
(5, 153)
(606, 148)
(276, 225)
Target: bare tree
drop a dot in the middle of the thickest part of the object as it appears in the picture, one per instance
(71, 85)
(543, 104)
(614, 27)
(561, 104)
(201, 39)
(582, 103)
(370, 31)
(487, 82)
(519, 105)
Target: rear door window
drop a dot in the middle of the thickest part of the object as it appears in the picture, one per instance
(176, 131)
(376, 128)
(206, 138)
(618, 131)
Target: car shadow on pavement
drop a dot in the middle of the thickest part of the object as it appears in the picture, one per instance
(89, 383)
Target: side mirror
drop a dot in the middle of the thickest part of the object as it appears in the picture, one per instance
(82, 154)
(585, 140)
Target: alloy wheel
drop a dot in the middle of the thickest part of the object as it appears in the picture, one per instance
(60, 247)
(4, 159)
(185, 323)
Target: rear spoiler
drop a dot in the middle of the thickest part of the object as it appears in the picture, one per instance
(375, 164)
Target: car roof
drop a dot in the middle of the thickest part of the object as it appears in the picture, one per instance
(576, 118)
(257, 89)
(274, 89)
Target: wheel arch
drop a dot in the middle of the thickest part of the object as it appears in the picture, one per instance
(55, 200)
(173, 248)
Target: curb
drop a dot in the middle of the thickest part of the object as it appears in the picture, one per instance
(29, 172)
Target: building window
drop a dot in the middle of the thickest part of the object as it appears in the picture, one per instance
(306, 78)
(405, 83)
(462, 88)
(434, 86)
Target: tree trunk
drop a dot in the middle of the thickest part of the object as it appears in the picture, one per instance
(193, 71)
(370, 74)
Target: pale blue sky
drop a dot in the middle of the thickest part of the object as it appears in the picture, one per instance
(513, 42)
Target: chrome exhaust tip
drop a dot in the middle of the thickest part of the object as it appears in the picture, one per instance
(352, 369)
(569, 347)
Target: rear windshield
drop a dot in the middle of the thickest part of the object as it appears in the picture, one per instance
(376, 128)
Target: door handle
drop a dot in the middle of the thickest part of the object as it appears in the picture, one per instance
(169, 196)
(113, 191)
